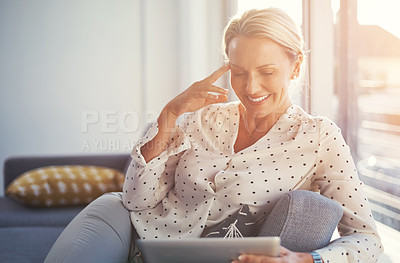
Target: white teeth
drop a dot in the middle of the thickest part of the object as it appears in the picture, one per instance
(259, 99)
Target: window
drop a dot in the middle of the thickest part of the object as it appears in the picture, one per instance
(368, 87)
(293, 8)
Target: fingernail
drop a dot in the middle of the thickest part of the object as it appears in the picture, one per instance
(241, 257)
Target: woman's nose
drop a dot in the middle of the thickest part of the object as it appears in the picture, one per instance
(252, 85)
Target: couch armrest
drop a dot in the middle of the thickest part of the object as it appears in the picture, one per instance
(14, 166)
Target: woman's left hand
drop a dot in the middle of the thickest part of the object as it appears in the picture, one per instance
(285, 256)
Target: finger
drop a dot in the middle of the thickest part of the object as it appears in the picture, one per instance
(206, 95)
(248, 258)
(220, 99)
(211, 96)
(259, 259)
(283, 251)
(214, 88)
(216, 74)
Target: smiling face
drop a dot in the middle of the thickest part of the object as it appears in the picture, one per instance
(261, 71)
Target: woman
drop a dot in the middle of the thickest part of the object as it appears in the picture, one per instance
(221, 155)
(204, 158)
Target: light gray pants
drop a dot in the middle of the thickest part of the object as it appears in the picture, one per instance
(103, 232)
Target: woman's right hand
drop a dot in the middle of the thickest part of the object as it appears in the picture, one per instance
(192, 99)
(197, 95)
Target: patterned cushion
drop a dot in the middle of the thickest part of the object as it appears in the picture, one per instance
(64, 185)
(238, 225)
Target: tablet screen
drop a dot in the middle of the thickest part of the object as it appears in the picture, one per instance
(217, 250)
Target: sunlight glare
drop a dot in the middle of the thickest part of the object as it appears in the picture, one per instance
(372, 161)
(383, 13)
(293, 9)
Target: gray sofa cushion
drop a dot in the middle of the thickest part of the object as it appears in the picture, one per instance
(27, 244)
(16, 214)
(27, 233)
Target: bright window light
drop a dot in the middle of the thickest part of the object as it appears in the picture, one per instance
(293, 8)
(384, 13)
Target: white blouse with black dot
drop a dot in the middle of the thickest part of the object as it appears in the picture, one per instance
(199, 180)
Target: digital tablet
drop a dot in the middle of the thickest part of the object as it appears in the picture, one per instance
(216, 250)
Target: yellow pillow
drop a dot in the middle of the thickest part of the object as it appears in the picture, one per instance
(64, 185)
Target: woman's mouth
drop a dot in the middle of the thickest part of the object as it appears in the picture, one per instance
(258, 100)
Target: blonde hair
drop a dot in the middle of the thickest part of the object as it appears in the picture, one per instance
(271, 23)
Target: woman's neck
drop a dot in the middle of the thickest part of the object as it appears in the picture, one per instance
(257, 127)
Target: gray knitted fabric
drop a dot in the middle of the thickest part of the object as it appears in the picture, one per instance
(304, 220)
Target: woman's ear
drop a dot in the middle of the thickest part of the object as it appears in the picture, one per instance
(297, 65)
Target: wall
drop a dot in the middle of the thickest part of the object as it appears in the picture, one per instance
(68, 69)
(86, 76)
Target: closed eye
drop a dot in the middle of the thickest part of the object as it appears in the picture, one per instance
(267, 73)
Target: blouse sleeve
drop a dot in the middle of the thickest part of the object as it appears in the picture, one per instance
(147, 183)
(337, 178)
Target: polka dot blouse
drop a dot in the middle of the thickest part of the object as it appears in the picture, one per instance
(199, 180)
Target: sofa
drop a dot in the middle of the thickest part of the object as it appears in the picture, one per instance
(27, 233)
